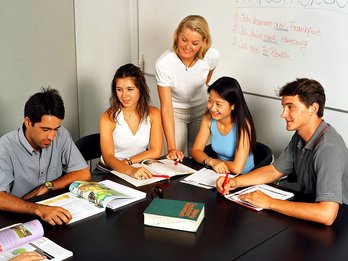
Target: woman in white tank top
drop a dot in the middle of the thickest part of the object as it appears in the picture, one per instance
(131, 129)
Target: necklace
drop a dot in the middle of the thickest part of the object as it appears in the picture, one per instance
(128, 115)
(187, 66)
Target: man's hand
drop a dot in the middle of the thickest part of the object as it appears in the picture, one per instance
(257, 198)
(53, 215)
(231, 184)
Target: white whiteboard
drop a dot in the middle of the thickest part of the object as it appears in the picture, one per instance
(263, 43)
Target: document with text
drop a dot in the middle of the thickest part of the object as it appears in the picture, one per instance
(164, 168)
(267, 189)
(86, 199)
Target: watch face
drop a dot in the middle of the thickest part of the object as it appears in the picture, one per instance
(48, 185)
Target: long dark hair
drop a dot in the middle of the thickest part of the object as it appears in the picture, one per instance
(229, 89)
(134, 72)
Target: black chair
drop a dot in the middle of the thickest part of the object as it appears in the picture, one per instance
(263, 154)
(89, 146)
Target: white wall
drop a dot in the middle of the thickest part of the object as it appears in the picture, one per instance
(37, 48)
(103, 43)
(270, 127)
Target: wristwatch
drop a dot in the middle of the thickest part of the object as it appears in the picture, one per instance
(49, 185)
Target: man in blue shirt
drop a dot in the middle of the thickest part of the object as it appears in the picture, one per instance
(316, 153)
(39, 157)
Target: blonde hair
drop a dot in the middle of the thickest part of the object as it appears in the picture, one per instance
(196, 23)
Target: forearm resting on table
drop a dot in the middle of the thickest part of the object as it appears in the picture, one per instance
(51, 214)
(13, 204)
(321, 212)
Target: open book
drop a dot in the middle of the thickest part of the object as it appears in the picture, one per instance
(269, 190)
(204, 178)
(25, 237)
(86, 199)
(163, 169)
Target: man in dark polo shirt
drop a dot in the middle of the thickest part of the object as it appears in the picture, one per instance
(34, 158)
(316, 153)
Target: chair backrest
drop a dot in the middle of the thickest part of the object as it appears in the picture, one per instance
(89, 146)
(263, 155)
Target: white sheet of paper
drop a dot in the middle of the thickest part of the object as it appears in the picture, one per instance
(204, 178)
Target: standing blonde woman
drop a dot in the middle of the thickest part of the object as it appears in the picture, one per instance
(182, 76)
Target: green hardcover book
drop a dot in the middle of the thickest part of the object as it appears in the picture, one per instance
(174, 214)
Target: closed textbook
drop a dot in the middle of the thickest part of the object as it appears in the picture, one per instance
(174, 214)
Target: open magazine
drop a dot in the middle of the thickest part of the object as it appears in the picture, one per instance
(86, 199)
(28, 236)
(163, 169)
(269, 190)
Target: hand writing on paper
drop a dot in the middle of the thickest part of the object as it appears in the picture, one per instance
(53, 215)
(257, 198)
(231, 185)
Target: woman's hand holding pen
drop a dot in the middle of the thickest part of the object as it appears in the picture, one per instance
(174, 154)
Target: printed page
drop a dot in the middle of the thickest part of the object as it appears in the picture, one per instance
(42, 246)
(204, 178)
(269, 190)
(19, 234)
(161, 167)
(137, 182)
(95, 192)
(79, 208)
(132, 194)
(167, 167)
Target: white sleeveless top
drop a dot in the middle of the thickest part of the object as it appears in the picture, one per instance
(126, 144)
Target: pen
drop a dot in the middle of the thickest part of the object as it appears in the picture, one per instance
(176, 161)
(160, 176)
(224, 183)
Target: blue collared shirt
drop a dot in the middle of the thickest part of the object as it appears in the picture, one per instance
(22, 168)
